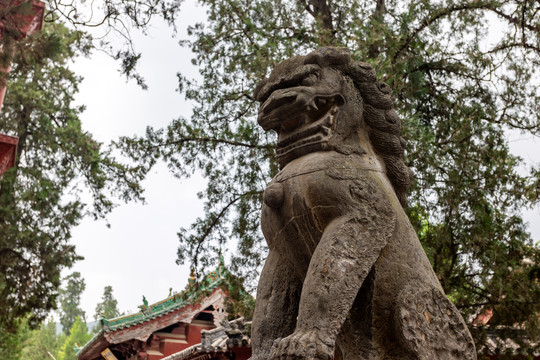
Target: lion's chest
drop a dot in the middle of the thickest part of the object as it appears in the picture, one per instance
(312, 191)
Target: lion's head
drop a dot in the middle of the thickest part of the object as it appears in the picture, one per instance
(327, 101)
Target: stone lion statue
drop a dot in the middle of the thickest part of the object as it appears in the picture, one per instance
(346, 276)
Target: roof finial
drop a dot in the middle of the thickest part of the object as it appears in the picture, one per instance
(221, 263)
(144, 307)
(192, 277)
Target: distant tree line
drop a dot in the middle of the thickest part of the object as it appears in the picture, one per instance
(59, 340)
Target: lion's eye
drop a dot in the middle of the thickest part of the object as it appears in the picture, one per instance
(310, 80)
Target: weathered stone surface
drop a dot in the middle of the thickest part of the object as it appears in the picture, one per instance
(345, 272)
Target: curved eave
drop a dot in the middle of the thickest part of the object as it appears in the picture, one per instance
(94, 346)
(140, 318)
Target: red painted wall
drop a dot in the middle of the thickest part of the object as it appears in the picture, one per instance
(165, 344)
(8, 148)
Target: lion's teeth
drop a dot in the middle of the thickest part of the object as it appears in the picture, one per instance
(308, 108)
(314, 106)
(322, 101)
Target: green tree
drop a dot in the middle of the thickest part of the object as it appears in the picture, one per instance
(115, 19)
(108, 307)
(61, 173)
(70, 300)
(459, 88)
(11, 342)
(41, 343)
(78, 336)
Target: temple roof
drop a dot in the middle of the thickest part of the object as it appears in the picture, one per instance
(192, 293)
(179, 307)
(230, 334)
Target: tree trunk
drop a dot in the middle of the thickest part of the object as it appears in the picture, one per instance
(320, 10)
(377, 20)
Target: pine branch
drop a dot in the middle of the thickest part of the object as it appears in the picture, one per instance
(215, 221)
(449, 11)
(213, 141)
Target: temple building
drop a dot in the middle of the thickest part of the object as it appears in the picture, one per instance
(227, 342)
(8, 151)
(190, 325)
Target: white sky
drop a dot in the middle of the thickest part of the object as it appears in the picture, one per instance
(136, 256)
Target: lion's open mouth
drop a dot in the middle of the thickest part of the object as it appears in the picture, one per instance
(303, 120)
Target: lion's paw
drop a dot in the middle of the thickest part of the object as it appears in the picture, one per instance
(303, 345)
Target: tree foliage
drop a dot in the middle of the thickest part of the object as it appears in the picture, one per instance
(11, 342)
(70, 301)
(78, 336)
(61, 173)
(108, 307)
(463, 74)
(41, 343)
(112, 23)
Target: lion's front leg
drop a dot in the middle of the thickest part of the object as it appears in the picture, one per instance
(277, 305)
(347, 251)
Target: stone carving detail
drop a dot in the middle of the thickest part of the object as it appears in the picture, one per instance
(346, 273)
(219, 314)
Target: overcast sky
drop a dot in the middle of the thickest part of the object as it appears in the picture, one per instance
(137, 254)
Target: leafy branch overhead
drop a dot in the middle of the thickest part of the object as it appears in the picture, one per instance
(61, 174)
(463, 75)
(112, 23)
(115, 19)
